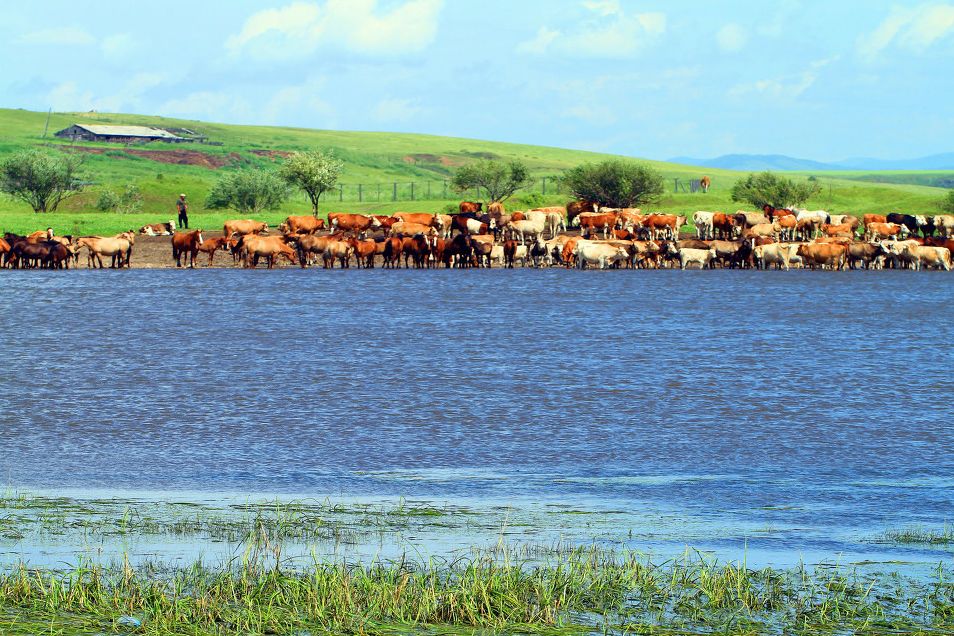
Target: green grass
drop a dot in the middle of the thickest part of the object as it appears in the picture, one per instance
(578, 590)
(370, 158)
(918, 535)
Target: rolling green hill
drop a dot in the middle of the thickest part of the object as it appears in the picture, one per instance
(380, 169)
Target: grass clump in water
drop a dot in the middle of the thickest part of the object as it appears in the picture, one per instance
(917, 534)
(579, 590)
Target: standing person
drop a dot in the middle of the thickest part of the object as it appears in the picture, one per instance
(183, 212)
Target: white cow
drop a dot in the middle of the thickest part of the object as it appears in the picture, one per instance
(944, 224)
(554, 223)
(589, 253)
(527, 228)
(703, 222)
(819, 216)
(919, 256)
(703, 258)
(774, 254)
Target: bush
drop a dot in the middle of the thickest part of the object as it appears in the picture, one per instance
(767, 188)
(499, 179)
(108, 201)
(947, 203)
(614, 183)
(531, 200)
(248, 191)
(41, 179)
(126, 203)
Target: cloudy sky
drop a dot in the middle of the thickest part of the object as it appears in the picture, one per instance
(818, 79)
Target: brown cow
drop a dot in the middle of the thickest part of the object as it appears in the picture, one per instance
(873, 218)
(393, 247)
(158, 229)
(575, 208)
(356, 223)
(568, 255)
(410, 229)
(470, 206)
(815, 255)
(301, 225)
(844, 229)
(422, 218)
(667, 224)
(415, 247)
(591, 221)
(875, 231)
(241, 227)
(724, 224)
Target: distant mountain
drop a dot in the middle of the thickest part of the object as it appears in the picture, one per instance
(944, 161)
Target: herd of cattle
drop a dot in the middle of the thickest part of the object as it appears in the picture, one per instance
(474, 237)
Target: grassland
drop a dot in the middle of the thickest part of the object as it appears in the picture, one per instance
(371, 159)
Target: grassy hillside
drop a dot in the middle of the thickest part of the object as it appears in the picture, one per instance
(384, 164)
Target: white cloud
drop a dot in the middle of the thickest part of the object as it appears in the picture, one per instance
(731, 37)
(299, 29)
(394, 109)
(913, 29)
(609, 32)
(117, 46)
(60, 36)
(69, 96)
(210, 105)
(297, 102)
(787, 86)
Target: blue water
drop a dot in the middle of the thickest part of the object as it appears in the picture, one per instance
(788, 413)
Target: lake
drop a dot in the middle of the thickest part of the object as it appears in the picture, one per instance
(781, 415)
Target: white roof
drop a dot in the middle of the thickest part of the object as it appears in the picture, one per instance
(128, 131)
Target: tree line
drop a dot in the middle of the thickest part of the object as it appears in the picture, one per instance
(43, 180)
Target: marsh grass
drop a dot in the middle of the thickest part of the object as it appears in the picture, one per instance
(918, 535)
(576, 590)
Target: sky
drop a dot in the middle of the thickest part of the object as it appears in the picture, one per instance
(824, 80)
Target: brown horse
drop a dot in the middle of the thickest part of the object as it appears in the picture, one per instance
(186, 243)
(210, 246)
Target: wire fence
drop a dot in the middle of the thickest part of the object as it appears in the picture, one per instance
(427, 190)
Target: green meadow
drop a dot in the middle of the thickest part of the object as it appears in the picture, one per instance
(384, 164)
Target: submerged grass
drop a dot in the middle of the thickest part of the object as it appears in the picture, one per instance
(576, 590)
(918, 535)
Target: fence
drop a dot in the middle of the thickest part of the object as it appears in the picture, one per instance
(432, 190)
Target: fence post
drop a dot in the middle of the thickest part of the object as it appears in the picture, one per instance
(428, 189)
(360, 194)
(394, 197)
(445, 189)
(341, 192)
(544, 185)
(412, 190)
(379, 193)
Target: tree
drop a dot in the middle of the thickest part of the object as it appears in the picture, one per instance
(40, 179)
(947, 203)
(128, 202)
(499, 179)
(248, 191)
(314, 172)
(614, 183)
(767, 188)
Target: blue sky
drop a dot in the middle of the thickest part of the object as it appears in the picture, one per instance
(822, 80)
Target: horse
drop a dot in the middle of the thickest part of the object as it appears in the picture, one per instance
(210, 246)
(186, 242)
(118, 247)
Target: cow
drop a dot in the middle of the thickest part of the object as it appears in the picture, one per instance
(483, 245)
(393, 248)
(538, 253)
(301, 225)
(689, 256)
(443, 223)
(555, 222)
(590, 253)
(575, 208)
(820, 216)
(410, 229)
(838, 230)
(807, 228)
(911, 222)
(422, 218)
(867, 219)
(724, 224)
(667, 224)
(186, 243)
(944, 224)
(530, 228)
(415, 248)
(470, 206)
(821, 255)
(514, 252)
(704, 183)
(878, 231)
(467, 225)
(703, 222)
(158, 229)
(496, 209)
(356, 223)
(787, 225)
(461, 250)
(777, 254)
(868, 254)
(241, 227)
(762, 229)
(919, 256)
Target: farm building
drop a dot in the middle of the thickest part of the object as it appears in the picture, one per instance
(118, 134)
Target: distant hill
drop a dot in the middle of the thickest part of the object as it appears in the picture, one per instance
(944, 161)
